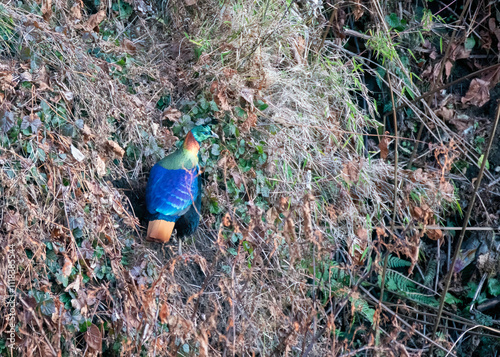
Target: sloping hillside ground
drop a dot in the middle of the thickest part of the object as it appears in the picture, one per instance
(299, 206)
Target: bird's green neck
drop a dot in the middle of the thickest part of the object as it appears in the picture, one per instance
(180, 159)
(184, 158)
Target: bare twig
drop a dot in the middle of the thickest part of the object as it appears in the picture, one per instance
(395, 205)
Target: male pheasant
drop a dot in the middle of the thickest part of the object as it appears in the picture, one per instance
(173, 193)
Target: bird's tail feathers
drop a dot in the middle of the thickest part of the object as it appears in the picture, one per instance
(160, 231)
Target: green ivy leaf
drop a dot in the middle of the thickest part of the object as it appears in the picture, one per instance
(261, 105)
(213, 106)
(494, 286)
(469, 43)
(240, 112)
(62, 279)
(215, 150)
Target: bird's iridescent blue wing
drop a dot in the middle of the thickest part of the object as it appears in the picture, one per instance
(170, 193)
(189, 221)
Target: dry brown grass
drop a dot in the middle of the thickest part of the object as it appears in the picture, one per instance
(326, 197)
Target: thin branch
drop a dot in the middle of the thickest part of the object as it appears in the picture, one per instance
(395, 204)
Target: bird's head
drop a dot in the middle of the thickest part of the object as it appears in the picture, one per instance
(203, 132)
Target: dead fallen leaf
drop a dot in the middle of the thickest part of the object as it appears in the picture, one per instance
(93, 22)
(478, 93)
(93, 338)
(229, 72)
(485, 39)
(461, 124)
(350, 172)
(76, 11)
(417, 213)
(6, 121)
(248, 94)
(99, 164)
(218, 92)
(115, 148)
(25, 77)
(75, 285)
(237, 179)
(68, 265)
(435, 234)
(87, 133)
(362, 233)
(494, 29)
(492, 76)
(129, 46)
(283, 204)
(250, 122)
(67, 95)
(77, 154)
(46, 9)
(445, 113)
(289, 229)
(164, 312)
(226, 221)
(447, 190)
(41, 78)
(380, 232)
(384, 146)
(167, 138)
(447, 68)
(172, 114)
(458, 52)
(271, 215)
(12, 221)
(190, 2)
(358, 10)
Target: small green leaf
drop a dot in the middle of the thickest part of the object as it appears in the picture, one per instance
(215, 150)
(204, 104)
(261, 105)
(480, 162)
(213, 106)
(494, 286)
(62, 279)
(240, 112)
(469, 43)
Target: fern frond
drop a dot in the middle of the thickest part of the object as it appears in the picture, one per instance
(430, 274)
(396, 262)
(361, 306)
(398, 282)
(422, 298)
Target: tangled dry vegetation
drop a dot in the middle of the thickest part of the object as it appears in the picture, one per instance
(295, 208)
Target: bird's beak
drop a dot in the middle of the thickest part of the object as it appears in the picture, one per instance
(214, 135)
